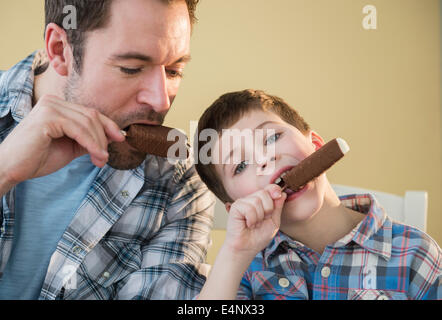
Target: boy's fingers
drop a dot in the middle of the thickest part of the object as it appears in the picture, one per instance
(256, 202)
(251, 217)
(274, 190)
(267, 203)
(244, 211)
(279, 204)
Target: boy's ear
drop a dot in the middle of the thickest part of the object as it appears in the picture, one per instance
(57, 49)
(227, 205)
(316, 139)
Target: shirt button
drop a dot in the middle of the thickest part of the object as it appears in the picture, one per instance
(325, 272)
(382, 297)
(284, 282)
(76, 250)
(125, 193)
(106, 275)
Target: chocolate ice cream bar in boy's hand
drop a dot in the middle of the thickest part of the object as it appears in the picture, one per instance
(315, 164)
(153, 140)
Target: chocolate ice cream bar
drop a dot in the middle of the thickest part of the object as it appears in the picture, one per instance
(153, 140)
(315, 164)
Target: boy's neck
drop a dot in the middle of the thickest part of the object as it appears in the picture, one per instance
(332, 222)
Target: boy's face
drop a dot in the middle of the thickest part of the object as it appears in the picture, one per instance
(269, 147)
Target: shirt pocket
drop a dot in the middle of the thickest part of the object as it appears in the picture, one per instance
(267, 285)
(375, 294)
(110, 261)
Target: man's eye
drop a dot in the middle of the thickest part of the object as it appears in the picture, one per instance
(272, 138)
(174, 74)
(129, 70)
(239, 168)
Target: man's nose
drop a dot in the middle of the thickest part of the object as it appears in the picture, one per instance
(155, 90)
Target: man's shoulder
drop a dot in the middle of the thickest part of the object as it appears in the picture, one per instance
(16, 80)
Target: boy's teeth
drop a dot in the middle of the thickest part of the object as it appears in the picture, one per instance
(277, 181)
(283, 174)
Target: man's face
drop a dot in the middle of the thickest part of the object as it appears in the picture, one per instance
(275, 147)
(133, 67)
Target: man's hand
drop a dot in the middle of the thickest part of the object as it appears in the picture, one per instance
(53, 134)
(254, 220)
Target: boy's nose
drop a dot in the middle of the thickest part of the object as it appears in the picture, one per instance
(267, 165)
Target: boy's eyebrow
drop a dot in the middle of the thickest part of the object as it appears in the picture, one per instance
(231, 151)
(264, 123)
(132, 55)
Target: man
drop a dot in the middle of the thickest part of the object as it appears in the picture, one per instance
(72, 226)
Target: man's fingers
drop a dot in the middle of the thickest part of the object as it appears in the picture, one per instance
(111, 129)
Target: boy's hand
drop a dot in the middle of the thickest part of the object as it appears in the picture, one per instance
(254, 220)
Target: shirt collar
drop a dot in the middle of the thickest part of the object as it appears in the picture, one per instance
(373, 233)
(17, 86)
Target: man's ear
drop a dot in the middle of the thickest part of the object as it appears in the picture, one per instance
(316, 139)
(57, 48)
(227, 205)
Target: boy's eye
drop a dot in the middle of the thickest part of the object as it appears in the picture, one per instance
(272, 138)
(240, 167)
(130, 71)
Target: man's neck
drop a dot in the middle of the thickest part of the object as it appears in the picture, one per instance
(332, 222)
(47, 83)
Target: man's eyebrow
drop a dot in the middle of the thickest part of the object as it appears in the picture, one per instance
(131, 56)
(139, 56)
(184, 59)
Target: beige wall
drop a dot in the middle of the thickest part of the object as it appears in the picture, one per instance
(378, 89)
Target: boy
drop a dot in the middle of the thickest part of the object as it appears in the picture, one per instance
(304, 245)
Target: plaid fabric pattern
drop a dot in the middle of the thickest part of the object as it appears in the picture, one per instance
(378, 259)
(138, 234)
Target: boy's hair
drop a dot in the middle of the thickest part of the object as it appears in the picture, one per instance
(225, 112)
(91, 15)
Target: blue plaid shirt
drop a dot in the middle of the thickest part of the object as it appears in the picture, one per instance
(378, 259)
(139, 234)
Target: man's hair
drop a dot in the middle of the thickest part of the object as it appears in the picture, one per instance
(91, 15)
(225, 112)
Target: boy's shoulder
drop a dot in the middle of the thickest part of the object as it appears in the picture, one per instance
(406, 238)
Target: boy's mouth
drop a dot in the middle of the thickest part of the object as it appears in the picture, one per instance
(278, 179)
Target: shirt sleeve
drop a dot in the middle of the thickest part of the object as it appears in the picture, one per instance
(245, 289)
(173, 262)
(426, 272)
